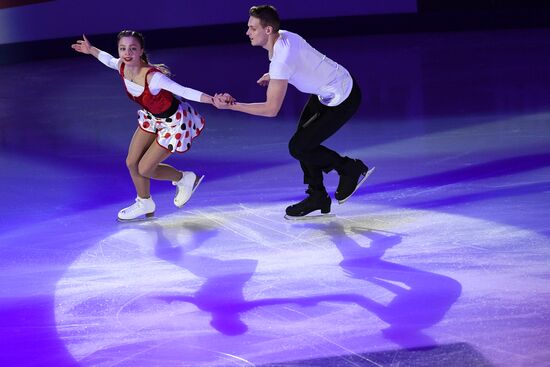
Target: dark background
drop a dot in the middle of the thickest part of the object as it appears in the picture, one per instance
(432, 16)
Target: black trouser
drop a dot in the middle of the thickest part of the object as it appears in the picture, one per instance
(317, 123)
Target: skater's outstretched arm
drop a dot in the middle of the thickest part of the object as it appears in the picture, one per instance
(157, 81)
(84, 46)
(275, 95)
(160, 81)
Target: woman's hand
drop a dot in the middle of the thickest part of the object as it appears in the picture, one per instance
(82, 46)
(223, 100)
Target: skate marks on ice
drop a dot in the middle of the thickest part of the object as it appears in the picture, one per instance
(175, 289)
(448, 355)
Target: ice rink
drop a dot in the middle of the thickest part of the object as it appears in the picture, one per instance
(442, 258)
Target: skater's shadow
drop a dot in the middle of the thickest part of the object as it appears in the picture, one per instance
(221, 294)
(421, 298)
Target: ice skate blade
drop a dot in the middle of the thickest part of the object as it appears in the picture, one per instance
(197, 183)
(369, 172)
(137, 220)
(312, 217)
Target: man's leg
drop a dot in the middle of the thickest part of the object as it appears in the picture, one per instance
(317, 123)
(313, 174)
(317, 198)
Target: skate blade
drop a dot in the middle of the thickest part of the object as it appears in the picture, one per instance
(369, 172)
(197, 184)
(310, 217)
(137, 220)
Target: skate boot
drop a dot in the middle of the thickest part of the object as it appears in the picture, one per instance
(185, 187)
(316, 200)
(141, 209)
(352, 175)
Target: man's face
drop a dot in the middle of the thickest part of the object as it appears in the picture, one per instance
(258, 35)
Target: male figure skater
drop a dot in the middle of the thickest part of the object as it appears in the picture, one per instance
(335, 97)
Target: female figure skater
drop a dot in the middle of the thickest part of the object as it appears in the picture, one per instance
(165, 124)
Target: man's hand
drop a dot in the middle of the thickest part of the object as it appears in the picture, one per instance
(264, 80)
(223, 100)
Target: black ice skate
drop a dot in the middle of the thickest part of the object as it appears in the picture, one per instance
(352, 175)
(316, 200)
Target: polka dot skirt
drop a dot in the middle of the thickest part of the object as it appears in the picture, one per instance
(174, 133)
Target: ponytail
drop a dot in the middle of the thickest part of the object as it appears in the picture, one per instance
(162, 67)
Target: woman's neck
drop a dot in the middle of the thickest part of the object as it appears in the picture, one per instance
(132, 71)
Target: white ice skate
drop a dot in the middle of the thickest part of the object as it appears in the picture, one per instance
(140, 210)
(185, 187)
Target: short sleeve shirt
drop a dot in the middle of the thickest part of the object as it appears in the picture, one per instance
(309, 70)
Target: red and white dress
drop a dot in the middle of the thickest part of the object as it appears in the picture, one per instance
(175, 122)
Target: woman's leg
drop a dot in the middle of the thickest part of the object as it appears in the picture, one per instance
(150, 165)
(140, 143)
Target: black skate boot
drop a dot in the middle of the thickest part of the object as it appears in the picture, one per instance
(352, 175)
(316, 200)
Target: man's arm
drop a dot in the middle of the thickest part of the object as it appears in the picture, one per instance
(275, 96)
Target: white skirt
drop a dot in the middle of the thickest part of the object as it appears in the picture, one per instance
(174, 133)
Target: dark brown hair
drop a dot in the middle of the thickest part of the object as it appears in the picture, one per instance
(137, 35)
(268, 16)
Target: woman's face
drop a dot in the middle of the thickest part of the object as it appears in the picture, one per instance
(130, 51)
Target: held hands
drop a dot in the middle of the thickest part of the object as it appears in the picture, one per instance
(223, 100)
(264, 80)
(82, 46)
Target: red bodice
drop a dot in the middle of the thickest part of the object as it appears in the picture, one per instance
(156, 104)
